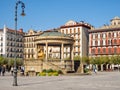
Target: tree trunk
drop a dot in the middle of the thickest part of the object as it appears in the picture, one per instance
(118, 67)
(101, 67)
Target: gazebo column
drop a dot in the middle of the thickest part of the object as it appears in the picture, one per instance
(62, 51)
(36, 53)
(46, 51)
(71, 56)
(71, 52)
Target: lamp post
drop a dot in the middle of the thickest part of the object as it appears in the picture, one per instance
(22, 14)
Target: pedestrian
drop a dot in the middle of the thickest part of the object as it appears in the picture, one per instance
(95, 70)
(22, 71)
(3, 70)
(0, 69)
(12, 70)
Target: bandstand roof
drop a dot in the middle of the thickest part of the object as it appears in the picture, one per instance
(54, 37)
(53, 33)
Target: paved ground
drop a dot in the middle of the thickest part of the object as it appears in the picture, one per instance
(101, 81)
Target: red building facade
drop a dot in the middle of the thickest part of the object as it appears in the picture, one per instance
(105, 40)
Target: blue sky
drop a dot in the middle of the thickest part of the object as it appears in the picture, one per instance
(48, 14)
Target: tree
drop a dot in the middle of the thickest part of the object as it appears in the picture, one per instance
(118, 62)
(86, 60)
(1, 60)
(77, 58)
(19, 62)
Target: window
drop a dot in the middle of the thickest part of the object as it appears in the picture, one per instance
(93, 51)
(78, 30)
(99, 36)
(76, 49)
(98, 50)
(104, 50)
(101, 42)
(76, 42)
(1, 50)
(1, 44)
(109, 50)
(114, 23)
(96, 43)
(112, 34)
(96, 36)
(70, 31)
(74, 30)
(32, 51)
(104, 35)
(1, 38)
(28, 55)
(62, 31)
(104, 43)
(109, 42)
(93, 36)
(115, 50)
(115, 41)
(66, 31)
(109, 35)
(93, 43)
(115, 34)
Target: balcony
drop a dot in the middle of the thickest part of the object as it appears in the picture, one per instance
(28, 53)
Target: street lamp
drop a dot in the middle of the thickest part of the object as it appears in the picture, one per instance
(22, 14)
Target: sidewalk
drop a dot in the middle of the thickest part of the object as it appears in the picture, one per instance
(101, 81)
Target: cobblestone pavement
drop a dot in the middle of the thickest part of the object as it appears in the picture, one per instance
(100, 81)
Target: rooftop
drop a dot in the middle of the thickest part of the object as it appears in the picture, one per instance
(53, 33)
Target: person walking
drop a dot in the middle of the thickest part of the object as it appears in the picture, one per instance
(22, 70)
(3, 70)
(0, 69)
(95, 70)
(11, 70)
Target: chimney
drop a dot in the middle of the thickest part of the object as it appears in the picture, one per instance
(21, 30)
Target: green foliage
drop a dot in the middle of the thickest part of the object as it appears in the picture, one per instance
(1, 60)
(93, 61)
(50, 72)
(118, 58)
(19, 62)
(77, 58)
(85, 60)
(115, 59)
(44, 70)
(86, 70)
(60, 72)
(42, 74)
(55, 74)
(105, 60)
(5, 61)
(67, 58)
(10, 61)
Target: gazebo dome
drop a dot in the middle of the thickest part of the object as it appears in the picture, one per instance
(115, 21)
(116, 17)
(53, 33)
(54, 37)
